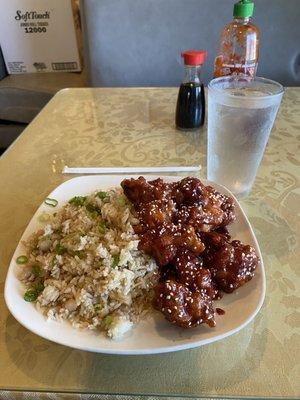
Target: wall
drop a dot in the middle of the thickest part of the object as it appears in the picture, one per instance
(138, 42)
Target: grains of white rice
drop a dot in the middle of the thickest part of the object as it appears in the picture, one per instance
(87, 266)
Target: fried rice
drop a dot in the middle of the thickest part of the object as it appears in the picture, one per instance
(84, 265)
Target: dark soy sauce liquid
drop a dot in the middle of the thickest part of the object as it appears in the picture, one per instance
(190, 110)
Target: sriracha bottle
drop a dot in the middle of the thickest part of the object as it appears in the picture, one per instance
(239, 43)
(190, 110)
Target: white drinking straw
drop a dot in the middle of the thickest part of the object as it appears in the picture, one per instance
(125, 170)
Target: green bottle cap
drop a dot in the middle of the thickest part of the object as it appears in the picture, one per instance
(243, 8)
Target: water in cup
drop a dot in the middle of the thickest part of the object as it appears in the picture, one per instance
(239, 123)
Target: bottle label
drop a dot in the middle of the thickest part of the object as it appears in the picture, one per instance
(225, 69)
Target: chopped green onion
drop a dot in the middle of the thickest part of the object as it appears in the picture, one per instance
(59, 249)
(51, 202)
(107, 320)
(38, 287)
(102, 228)
(93, 210)
(94, 214)
(44, 217)
(90, 208)
(101, 195)
(22, 260)
(115, 261)
(98, 264)
(30, 295)
(97, 307)
(78, 200)
(81, 254)
(121, 201)
(33, 293)
(36, 270)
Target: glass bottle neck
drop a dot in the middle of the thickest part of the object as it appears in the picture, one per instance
(192, 73)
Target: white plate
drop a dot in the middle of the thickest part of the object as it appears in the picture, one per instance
(154, 335)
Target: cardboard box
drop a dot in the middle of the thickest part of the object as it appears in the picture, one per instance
(39, 36)
(2, 66)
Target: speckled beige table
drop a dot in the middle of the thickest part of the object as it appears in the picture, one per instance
(134, 127)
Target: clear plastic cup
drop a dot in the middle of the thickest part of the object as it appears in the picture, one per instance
(241, 114)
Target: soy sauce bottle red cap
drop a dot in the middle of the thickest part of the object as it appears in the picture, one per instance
(194, 57)
(190, 109)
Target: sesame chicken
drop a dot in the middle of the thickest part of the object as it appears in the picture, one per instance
(182, 307)
(183, 226)
(231, 264)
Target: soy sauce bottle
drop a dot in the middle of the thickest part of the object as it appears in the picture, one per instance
(190, 110)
